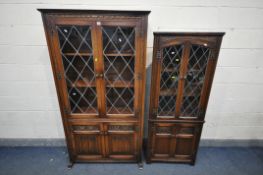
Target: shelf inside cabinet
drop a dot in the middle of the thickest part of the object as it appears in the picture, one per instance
(173, 92)
(169, 70)
(88, 110)
(166, 114)
(82, 83)
(77, 54)
(119, 54)
(117, 110)
(168, 92)
(119, 84)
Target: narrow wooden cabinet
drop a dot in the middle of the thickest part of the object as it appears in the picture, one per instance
(98, 62)
(183, 67)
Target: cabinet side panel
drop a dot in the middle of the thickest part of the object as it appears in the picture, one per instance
(47, 22)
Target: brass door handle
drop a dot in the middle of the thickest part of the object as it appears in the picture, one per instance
(103, 132)
(183, 77)
(99, 75)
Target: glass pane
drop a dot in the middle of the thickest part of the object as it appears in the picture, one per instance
(76, 51)
(169, 80)
(194, 80)
(119, 60)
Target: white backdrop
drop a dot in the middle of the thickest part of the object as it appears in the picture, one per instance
(28, 102)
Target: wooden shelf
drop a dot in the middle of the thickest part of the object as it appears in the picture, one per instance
(124, 110)
(196, 83)
(166, 114)
(177, 70)
(119, 84)
(194, 71)
(87, 110)
(170, 70)
(80, 54)
(82, 83)
(119, 54)
(168, 92)
(173, 92)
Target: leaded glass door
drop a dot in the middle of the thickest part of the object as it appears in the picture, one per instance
(120, 56)
(77, 70)
(169, 79)
(193, 81)
(182, 68)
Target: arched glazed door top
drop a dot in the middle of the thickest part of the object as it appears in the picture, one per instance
(183, 68)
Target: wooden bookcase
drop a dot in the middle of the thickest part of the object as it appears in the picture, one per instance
(183, 68)
(98, 62)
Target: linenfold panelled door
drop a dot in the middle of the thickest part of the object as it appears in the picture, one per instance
(183, 67)
(98, 62)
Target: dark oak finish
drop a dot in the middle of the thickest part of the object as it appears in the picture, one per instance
(173, 141)
(183, 68)
(98, 60)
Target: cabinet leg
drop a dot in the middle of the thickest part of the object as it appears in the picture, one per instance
(192, 162)
(148, 161)
(140, 165)
(70, 165)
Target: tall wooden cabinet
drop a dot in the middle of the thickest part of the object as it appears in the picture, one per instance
(183, 67)
(98, 62)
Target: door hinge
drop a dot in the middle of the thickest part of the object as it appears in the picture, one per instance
(197, 130)
(201, 113)
(137, 128)
(138, 76)
(59, 75)
(153, 128)
(56, 63)
(158, 55)
(154, 111)
(137, 114)
(52, 32)
(213, 54)
(66, 111)
(142, 33)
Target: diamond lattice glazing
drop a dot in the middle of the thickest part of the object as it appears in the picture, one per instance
(119, 56)
(169, 80)
(76, 51)
(194, 80)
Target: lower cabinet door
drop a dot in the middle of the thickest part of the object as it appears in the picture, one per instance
(88, 142)
(173, 142)
(162, 141)
(121, 141)
(187, 136)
